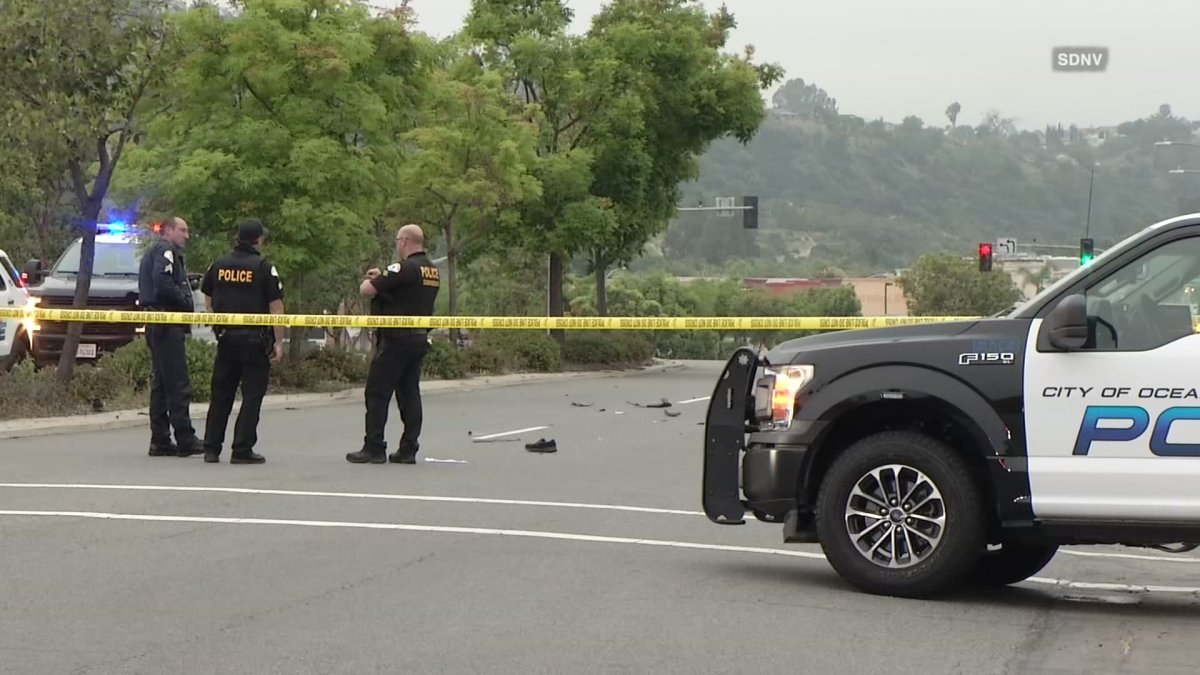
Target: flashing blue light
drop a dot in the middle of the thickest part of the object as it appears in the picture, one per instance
(113, 228)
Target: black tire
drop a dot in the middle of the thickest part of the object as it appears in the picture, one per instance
(1011, 564)
(936, 568)
(20, 350)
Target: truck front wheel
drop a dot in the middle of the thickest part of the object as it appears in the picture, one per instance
(900, 514)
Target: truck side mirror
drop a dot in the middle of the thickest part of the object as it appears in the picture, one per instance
(1067, 324)
(32, 273)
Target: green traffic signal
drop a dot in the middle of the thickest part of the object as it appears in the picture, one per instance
(1087, 251)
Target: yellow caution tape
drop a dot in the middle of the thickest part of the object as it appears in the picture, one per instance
(720, 323)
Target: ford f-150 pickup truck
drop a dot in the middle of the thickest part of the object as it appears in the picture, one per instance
(925, 456)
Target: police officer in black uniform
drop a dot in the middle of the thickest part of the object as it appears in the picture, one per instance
(408, 288)
(163, 286)
(242, 282)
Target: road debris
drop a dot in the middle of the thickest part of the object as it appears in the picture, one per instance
(542, 445)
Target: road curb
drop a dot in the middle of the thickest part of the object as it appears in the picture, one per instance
(125, 419)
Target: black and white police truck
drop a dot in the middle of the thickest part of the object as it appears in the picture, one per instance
(922, 457)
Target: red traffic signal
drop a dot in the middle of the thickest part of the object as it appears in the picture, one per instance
(985, 257)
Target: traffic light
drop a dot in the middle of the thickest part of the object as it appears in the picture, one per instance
(750, 215)
(1087, 250)
(985, 257)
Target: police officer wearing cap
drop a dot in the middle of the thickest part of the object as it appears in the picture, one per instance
(163, 286)
(242, 282)
(407, 288)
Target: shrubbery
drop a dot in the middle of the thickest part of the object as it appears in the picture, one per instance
(122, 379)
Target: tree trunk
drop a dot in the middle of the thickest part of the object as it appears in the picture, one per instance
(83, 286)
(555, 293)
(601, 288)
(452, 277)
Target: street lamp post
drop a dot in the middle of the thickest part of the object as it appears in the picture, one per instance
(886, 285)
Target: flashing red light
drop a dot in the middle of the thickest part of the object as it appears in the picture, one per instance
(157, 228)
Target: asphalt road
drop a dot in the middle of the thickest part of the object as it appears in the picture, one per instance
(500, 561)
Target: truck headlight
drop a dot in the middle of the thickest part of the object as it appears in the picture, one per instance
(30, 324)
(775, 395)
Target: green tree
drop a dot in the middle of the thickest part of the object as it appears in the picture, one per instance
(77, 83)
(671, 92)
(943, 284)
(526, 41)
(291, 111)
(952, 112)
(470, 162)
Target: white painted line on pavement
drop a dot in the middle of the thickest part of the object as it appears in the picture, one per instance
(481, 500)
(508, 433)
(1131, 556)
(535, 534)
(695, 400)
(351, 495)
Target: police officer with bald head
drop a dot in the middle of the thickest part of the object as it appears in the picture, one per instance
(242, 282)
(406, 288)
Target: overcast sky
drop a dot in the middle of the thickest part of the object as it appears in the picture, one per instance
(881, 58)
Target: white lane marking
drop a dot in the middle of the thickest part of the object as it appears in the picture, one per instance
(482, 500)
(1132, 556)
(535, 534)
(508, 433)
(351, 495)
(695, 400)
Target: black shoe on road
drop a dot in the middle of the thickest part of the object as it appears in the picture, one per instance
(403, 457)
(542, 445)
(196, 447)
(158, 451)
(247, 458)
(363, 457)
(212, 457)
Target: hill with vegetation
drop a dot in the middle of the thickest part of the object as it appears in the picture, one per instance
(842, 195)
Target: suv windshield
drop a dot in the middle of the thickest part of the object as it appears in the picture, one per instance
(12, 271)
(112, 259)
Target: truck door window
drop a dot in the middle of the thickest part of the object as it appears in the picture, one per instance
(1146, 303)
(12, 272)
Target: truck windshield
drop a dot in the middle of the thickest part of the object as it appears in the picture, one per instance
(112, 259)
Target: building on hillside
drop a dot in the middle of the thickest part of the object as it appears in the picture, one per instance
(879, 296)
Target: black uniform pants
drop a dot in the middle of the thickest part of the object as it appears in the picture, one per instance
(170, 386)
(241, 361)
(395, 370)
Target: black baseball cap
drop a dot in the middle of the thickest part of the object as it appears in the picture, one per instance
(250, 230)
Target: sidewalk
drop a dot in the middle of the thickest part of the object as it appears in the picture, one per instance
(124, 419)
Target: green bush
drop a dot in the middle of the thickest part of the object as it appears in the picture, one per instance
(201, 356)
(28, 392)
(701, 345)
(91, 382)
(132, 363)
(341, 365)
(443, 362)
(130, 367)
(302, 373)
(527, 350)
(604, 348)
(485, 359)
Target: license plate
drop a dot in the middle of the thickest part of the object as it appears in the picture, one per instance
(86, 352)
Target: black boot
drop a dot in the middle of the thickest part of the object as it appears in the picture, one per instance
(195, 447)
(362, 457)
(404, 455)
(247, 458)
(158, 451)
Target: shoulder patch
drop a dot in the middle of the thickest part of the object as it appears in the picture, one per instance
(394, 267)
(274, 272)
(169, 255)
